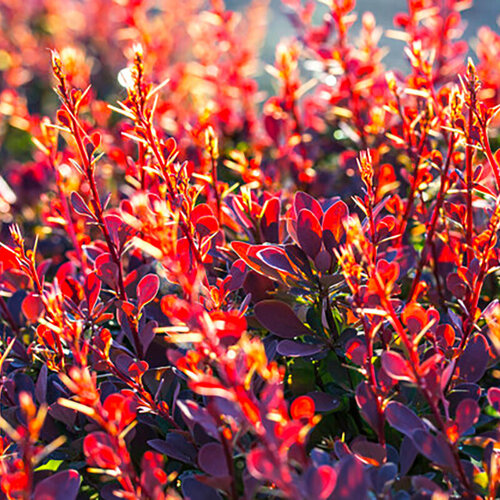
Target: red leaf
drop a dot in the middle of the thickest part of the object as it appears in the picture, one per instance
(430, 363)
(355, 350)
(107, 270)
(446, 333)
(137, 369)
(147, 289)
(397, 367)
(32, 307)
(302, 407)
(207, 226)
(99, 451)
(92, 290)
(333, 225)
(494, 397)
(414, 316)
(120, 409)
(8, 259)
(259, 464)
(280, 319)
(200, 211)
(269, 221)
(321, 482)
(96, 139)
(63, 118)
(303, 200)
(248, 253)
(388, 271)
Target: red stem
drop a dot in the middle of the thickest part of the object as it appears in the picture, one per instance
(431, 228)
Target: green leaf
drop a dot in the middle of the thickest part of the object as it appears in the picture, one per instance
(302, 377)
(52, 465)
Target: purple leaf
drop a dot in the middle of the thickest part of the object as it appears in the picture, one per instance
(435, 448)
(41, 385)
(456, 285)
(367, 405)
(276, 258)
(147, 334)
(63, 485)
(352, 482)
(466, 415)
(175, 446)
(194, 414)
(367, 449)
(461, 392)
(280, 319)
(385, 474)
(115, 227)
(408, 452)
(196, 490)
(80, 207)
(323, 261)
(295, 349)
(323, 401)
(341, 449)
(236, 275)
(63, 414)
(309, 233)
(212, 460)
(299, 259)
(402, 418)
(424, 484)
(472, 364)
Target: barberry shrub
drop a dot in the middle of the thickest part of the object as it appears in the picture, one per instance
(208, 292)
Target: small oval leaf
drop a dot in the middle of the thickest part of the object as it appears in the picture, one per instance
(280, 319)
(147, 289)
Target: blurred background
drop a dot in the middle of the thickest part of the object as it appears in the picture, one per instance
(482, 13)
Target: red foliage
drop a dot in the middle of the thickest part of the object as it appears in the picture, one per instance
(202, 299)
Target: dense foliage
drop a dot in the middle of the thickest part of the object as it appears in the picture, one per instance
(208, 292)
